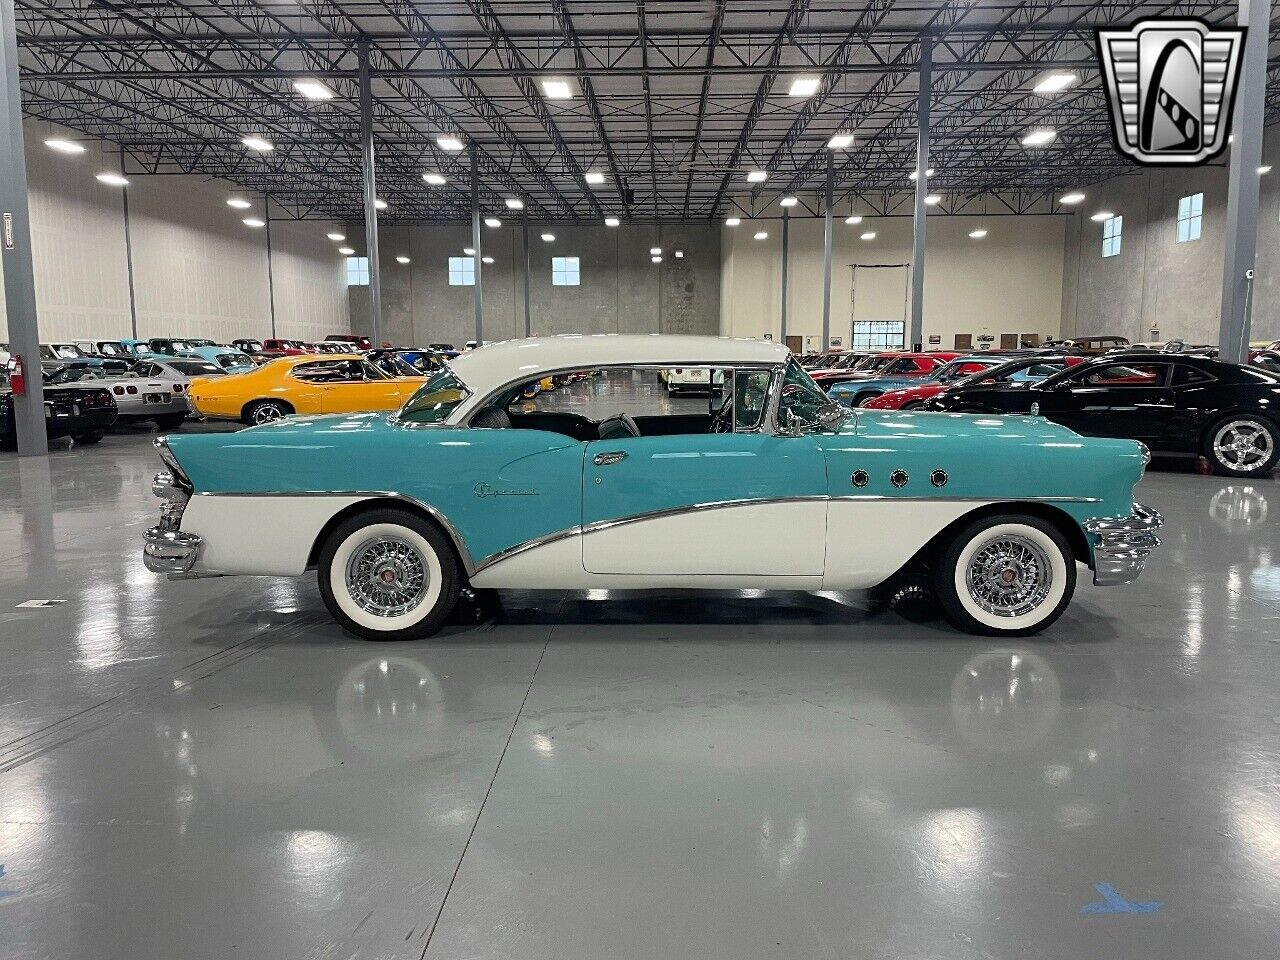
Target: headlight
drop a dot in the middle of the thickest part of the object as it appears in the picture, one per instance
(1146, 455)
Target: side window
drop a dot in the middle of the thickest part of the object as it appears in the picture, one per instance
(750, 398)
(801, 395)
(1184, 376)
(1126, 375)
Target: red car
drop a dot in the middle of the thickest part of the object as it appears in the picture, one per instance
(357, 341)
(901, 363)
(998, 370)
(286, 348)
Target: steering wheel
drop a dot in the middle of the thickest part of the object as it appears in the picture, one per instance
(722, 419)
(609, 428)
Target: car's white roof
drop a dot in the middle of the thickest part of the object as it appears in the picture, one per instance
(493, 365)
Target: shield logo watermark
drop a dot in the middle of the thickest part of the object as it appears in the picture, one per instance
(1171, 84)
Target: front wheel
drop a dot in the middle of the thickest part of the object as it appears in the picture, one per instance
(912, 405)
(1242, 445)
(1010, 575)
(388, 575)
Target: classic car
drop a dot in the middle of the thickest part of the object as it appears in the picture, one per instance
(224, 358)
(902, 366)
(1090, 344)
(1178, 405)
(310, 383)
(55, 355)
(994, 370)
(358, 341)
(246, 345)
(774, 488)
(83, 414)
(903, 372)
(1267, 359)
(446, 350)
(692, 380)
(142, 393)
(290, 348)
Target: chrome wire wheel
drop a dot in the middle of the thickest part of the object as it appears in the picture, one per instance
(387, 576)
(1243, 446)
(1009, 576)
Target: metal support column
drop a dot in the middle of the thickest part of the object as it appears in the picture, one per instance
(1243, 184)
(786, 260)
(478, 259)
(128, 263)
(916, 339)
(370, 197)
(271, 279)
(827, 236)
(524, 224)
(19, 274)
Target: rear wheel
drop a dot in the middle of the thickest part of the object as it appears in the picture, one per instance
(1010, 575)
(1242, 445)
(92, 436)
(265, 411)
(170, 421)
(912, 405)
(865, 398)
(388, 575)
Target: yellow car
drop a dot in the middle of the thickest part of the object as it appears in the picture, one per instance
(314, 383)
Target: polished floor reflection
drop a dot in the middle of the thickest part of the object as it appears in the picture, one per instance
(212, 770)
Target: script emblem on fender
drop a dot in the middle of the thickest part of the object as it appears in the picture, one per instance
(488, 490)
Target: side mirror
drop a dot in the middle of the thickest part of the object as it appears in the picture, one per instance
(831, 415)
(788, 423)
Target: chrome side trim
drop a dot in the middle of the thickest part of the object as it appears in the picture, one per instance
(510, 552)
(1011, 500)
(458, 543)
(1124, 544)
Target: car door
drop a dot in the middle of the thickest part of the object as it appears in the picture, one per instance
(358, 387)
(1130, 399)
(744, 502)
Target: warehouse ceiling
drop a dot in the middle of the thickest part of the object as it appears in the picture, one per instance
(672, 102)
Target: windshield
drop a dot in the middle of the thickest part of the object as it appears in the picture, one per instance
(195, 368)
(436, 399)
(956, 370)
(109, 349)
(872, 362)
(234, 360)
(68, 351)
(201, 343)
(76, 374)
(901, 365)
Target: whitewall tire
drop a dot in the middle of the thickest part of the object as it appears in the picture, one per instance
(1008, 575)
(388, 575)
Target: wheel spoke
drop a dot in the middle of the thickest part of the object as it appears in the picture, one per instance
(387, 577)
(1009, 576)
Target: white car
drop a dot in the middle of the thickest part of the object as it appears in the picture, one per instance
(691, 379)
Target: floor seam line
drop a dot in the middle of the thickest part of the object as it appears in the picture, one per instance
(494, 779)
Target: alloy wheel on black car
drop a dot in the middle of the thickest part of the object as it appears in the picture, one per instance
(1242, 446)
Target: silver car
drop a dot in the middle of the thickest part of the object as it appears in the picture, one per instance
(149, 390)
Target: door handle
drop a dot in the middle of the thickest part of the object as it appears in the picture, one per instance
(610, 458)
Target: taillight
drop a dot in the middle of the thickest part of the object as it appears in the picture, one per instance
(118, 391)
(177, 388)
(130, 389)
(678, 370)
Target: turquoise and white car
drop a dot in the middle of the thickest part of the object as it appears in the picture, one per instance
(773, 488)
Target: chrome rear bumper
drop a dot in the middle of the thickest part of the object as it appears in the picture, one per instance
(1124, 544)
(170, 552)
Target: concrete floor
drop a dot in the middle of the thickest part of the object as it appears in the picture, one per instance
(211, 769)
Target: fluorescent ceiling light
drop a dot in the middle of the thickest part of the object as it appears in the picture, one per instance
(447, 141)
(402, 259)
(804, 86)
(486, 259)
(346, 251)
(762, 234)
(337, 237)
(114, 179)
(869, 235)
(257, 143)
(655, 251)
(933, 199)
(978, 234)
(1038, 138)
(915, 174)
(434, 179)
(1102, 215)
(548, 237)
(1054, 82)
(788, 201)
(379, 204)
(239, 203)
(1072, 198)
(611, 221)
(557, 88)
(313, 89)
(253, 222)
(63, 146)
(492, 222)
(1265, 168)
(514, 204)
(853, 219)
(840, 141)
(679, 254)
(593, 177)
(468, 251)
(657, 258)
(757, 176)
(732, 221)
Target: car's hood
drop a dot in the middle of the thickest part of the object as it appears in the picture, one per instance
(863, 382)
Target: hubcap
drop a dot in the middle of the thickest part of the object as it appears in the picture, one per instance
(1009, 576)
(1243, 445)
(387, 577)
(266, 413)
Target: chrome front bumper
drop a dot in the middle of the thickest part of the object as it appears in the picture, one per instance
(1124, 543)
(170, 552)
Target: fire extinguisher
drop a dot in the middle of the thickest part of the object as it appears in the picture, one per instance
(17, 377)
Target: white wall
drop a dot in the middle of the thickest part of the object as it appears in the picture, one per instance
(1010, 282)
(198, 271)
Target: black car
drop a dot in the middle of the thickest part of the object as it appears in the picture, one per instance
(1177, 404)
(83, 413)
